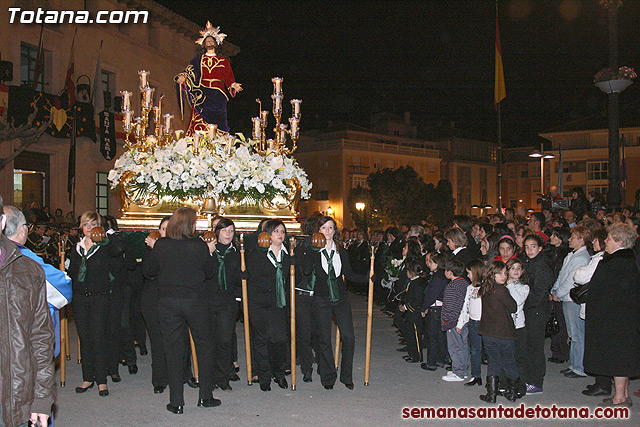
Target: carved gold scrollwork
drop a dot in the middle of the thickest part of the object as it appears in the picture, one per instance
(280, 202)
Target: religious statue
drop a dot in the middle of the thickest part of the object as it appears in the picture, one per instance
(208, 81)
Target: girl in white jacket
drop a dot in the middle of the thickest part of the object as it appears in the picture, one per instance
(519, 290)
(470, 314)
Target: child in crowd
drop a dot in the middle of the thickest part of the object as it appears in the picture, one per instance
(432, 310)
(470, 319)
(453, 300)
(519, 290)
(498, 331)
(408, 319)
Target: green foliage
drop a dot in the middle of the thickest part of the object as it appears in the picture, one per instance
(400, 196)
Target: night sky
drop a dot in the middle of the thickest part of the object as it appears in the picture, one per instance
(350, 59)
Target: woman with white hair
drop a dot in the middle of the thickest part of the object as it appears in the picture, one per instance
(612, 339)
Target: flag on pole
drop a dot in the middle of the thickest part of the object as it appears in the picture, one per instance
(500, 91)
(98, 93)
(69, 81)
(37, 71)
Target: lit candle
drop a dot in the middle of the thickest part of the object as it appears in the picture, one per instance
(277, 104)
(295, 127)
(128, 116)
(143, 78)
(167, 122)
(295, 104)
(126, 100)
(277, 85)
(213, 130)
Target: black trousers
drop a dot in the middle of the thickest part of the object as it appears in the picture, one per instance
(178, 316)
(91, 315)
(436, 339)
(411, 329)
(533, 342)
(323, 309)
(268, 341)
(222, 315)
(306, 336)
(559, 341)
(138, 330)
(121, 346)
(159, 372)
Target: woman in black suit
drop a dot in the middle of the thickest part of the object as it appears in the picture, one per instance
(457, 243)
(93, 266)
(330, 298)
(267, 289)
(221, 294)
(183, 303)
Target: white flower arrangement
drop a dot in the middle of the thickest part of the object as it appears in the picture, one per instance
(179, 171)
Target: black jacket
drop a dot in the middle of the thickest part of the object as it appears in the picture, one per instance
(232, 269)
(182, 266)
(312, 263)
(434, 290)
(261, 281)
(540, 273)
(103, 266)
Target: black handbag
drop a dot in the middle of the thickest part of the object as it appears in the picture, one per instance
(553, 327)
(579, 293)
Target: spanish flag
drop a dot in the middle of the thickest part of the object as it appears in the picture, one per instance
(500, 91)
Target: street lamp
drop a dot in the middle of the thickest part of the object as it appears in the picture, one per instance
(330, 211)
(542, 155)
(360, 206)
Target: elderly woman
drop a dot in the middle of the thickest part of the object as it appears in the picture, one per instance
(612, 339)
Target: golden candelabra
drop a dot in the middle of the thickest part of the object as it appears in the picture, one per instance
(279, 144)
(137, 127)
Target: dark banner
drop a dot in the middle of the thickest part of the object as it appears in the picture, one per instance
(107, 135)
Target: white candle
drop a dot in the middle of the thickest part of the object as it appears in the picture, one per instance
(295, 104)
(167, 122)
(128, 116)
(143, 78)
(295, 124)
(264, 117)
(230, 142)
(126, 100)
(148, 96)
(270, 143)
(257, 128)
(156, 115)
(213, 130)
(277, 85)
(277, 104)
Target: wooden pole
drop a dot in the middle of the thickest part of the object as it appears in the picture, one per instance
(292, 290)
(64, 332)
(367, 362)
(245, 313)
(336, 352)
(194, 356)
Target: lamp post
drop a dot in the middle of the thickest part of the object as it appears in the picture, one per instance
(542, 155)
(360, 208)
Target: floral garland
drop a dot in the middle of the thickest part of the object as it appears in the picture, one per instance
(178, 171)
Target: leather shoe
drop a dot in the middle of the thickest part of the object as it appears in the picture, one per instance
(410, 360)
(566, 371)
(104, 392)
(237, 368)
(282, 383)
(474, 381)
(428, 367)
(191, 382)
(116, 378)
(234, 377)
(596, 391)
(133, 369)
(572, 374)
(159, 389)
(83, 389)
(209, 403)
(224, 386)
(349, 386)
(328, 387)
(307, 377)
(176, 409)
(265, 387)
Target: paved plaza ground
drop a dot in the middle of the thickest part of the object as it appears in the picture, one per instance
(394, 384)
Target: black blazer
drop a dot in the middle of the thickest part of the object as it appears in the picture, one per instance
(182, 266)
(232, 268)
(313, 263)
(106, 260)
(261, 277)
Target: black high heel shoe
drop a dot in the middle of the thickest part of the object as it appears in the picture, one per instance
(104, 392)
(84, 389)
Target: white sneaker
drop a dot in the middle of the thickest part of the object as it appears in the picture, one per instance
(452, 377)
